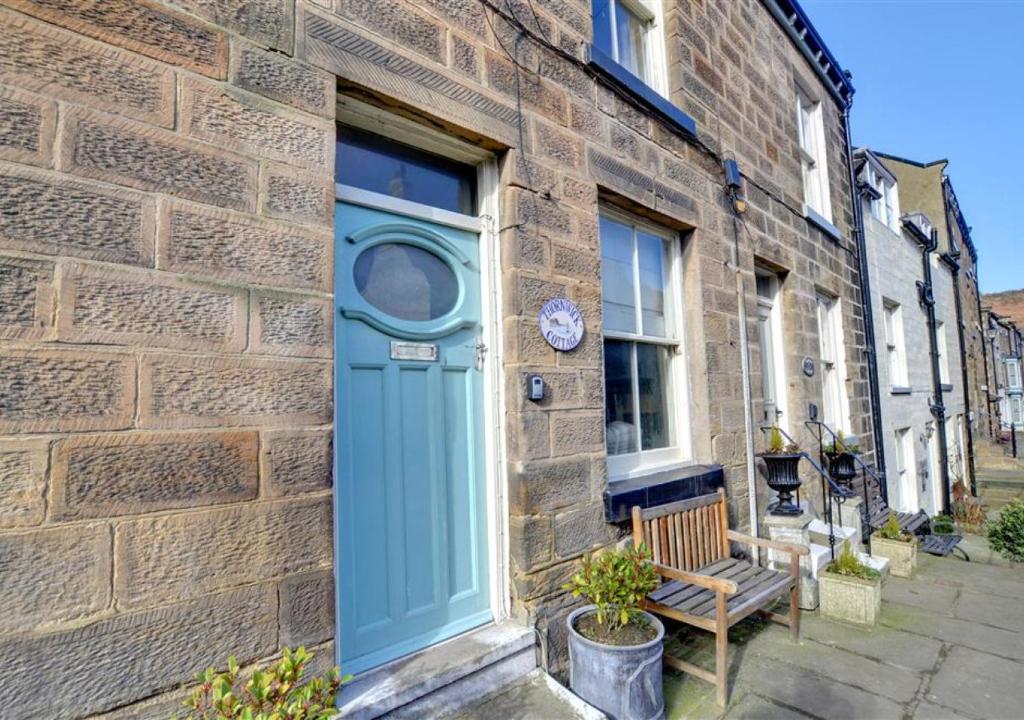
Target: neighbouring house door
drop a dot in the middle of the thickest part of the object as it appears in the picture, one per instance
(834, 412)
(412, 533)
(769, 335)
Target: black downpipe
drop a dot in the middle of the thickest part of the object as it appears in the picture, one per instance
(938, 407)
(984, 356)
(869, 321)
(954, 266)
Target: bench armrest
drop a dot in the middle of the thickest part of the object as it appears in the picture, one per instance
(761, 542)
(706, 581)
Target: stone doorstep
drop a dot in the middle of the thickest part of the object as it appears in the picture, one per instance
(818, 530)
(484, 660)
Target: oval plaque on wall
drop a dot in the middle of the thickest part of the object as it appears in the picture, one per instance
(561, 324)
(808, 366)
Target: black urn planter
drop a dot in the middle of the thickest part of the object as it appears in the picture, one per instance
(841, 468)
(783, 478)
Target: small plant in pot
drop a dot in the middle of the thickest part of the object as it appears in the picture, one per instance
(850, 591)
(782, 463)
(615, 647)
(889, 541)
(840, 453)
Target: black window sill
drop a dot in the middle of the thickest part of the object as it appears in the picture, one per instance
(647, 96)
(659, 489)
(899, 390)
(822, 224)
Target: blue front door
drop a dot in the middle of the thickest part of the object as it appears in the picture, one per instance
(411, 535)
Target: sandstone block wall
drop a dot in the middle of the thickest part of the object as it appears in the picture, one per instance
(166, 200)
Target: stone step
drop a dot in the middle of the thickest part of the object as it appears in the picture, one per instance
(818, 531)
(443, 678)
(535, 696)
(820, 557)
(880, 564)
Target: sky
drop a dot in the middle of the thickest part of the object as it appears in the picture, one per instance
(942, 79)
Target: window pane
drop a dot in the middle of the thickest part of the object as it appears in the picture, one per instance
(405, 281)
(630, 31)
(652, 256)
(374, 163)
(617, 283)
(652, 363)
(767, 361)
(618, 398)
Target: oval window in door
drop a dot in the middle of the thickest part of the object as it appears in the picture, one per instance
(406, 281)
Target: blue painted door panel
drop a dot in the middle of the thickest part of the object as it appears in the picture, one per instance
(411, 535)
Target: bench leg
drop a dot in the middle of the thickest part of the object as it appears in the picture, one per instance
(794, 611)
(721, 652)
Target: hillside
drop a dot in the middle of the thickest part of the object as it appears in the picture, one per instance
(1009, 303)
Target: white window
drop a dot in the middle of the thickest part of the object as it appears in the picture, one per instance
(1017, 410)
(906, 476)
(769, 331)
(631, 33)
(886, 207)
(644, 365)
(836, 410)
(812, 155)
(940, 343)
(895, 349)
(1013, 377)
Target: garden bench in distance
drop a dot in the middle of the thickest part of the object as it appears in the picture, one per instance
(703, 585)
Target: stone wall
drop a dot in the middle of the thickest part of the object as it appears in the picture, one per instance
(166, 321)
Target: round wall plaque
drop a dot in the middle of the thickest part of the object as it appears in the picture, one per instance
(808, 366)
(561, 324)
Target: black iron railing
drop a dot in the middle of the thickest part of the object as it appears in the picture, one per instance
(831, 491)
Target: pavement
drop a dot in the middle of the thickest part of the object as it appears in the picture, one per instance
(949, 644)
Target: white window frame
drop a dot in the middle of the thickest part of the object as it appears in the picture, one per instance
(1013, 374)
(906, 473)
(892, 318)
(645, 462)
(940, 344)
(813, 154)
(836, 402)
(773, 362)
(655, 73)
(1016, 410)
(885, 208)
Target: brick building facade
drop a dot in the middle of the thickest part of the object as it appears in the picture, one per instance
(167, 200)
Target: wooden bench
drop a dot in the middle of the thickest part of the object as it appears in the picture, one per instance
(702, 585)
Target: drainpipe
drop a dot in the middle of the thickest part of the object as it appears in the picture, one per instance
(984, 356)
(927, 298)
(869, 319)
(954, 266)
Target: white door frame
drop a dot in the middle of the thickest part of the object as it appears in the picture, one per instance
(372, 119)
(770, 309)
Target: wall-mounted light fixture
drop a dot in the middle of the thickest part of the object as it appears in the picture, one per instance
(734, 185)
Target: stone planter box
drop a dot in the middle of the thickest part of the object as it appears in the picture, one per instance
(902, 555)
(850, 599)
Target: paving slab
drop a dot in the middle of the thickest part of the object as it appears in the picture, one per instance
(932, 597)
(889, 645)
(814, 694)
(952, 630)
(837, 664)
(930, 711)
(979, 684)
(755, 707)
(536, 696)
(994, 610)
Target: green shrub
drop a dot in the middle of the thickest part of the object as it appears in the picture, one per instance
(1006, 535)
(842, 444)
(617, 583)
(277, 693)
(777, 444)
(892, 531)
(943, 525)
(849, 565)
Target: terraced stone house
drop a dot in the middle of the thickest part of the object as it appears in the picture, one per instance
(272, 370)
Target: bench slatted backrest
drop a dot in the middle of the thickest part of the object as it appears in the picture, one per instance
(685, 535)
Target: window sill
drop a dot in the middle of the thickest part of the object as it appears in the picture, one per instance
(660, 488)
(644, 93)
(822, 224)
(899, 390)
(946, 387)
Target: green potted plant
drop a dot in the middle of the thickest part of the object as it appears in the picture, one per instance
(840, 453)
(1006, 535)
(849, 591)
(615, 647)
(782, 463)
(280, 692)
(943, 525)
(889, 541)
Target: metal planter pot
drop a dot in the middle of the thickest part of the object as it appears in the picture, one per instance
(622, 681)
(783, 478)
(841, 468)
